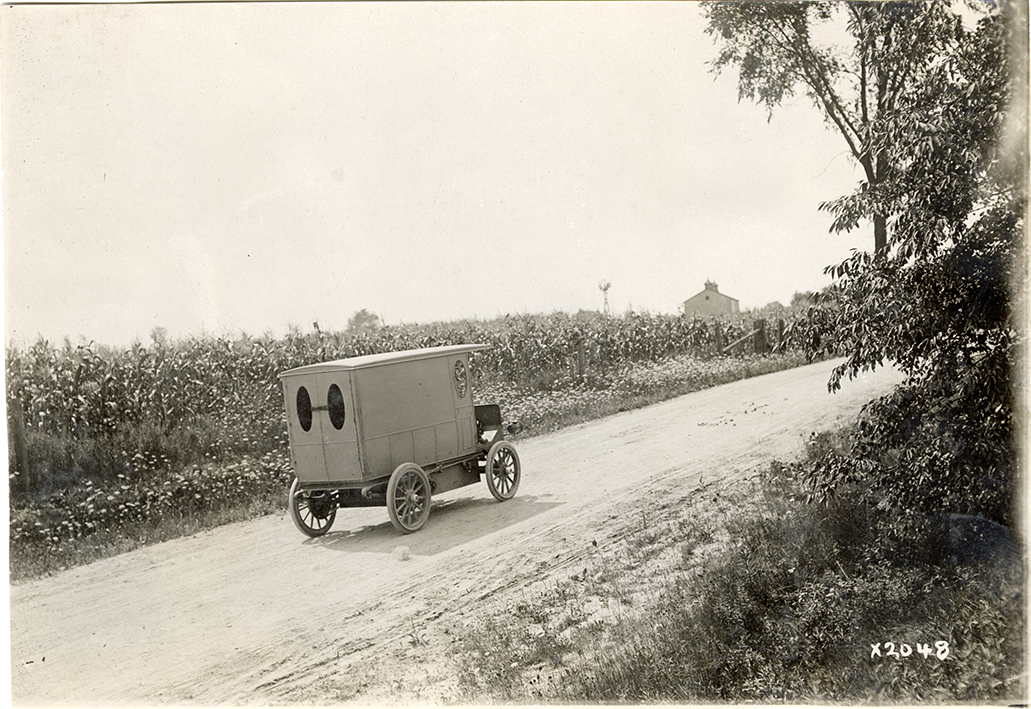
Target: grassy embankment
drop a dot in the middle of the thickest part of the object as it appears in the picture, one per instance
(748, 593)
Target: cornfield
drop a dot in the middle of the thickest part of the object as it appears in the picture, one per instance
(103, 438)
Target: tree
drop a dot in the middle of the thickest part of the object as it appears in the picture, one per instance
(947, 181)
(363, 321)
(159, 336)
(892, 47)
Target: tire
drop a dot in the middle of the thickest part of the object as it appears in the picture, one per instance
(312, 512)
(503, 471)
(408, 498)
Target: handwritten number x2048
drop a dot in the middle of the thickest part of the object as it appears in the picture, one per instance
(940, 650)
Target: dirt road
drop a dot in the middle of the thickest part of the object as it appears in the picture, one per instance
(255, 613)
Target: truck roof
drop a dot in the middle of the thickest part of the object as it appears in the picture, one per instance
(375, 360)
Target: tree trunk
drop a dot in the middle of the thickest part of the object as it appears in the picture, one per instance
(880, 233)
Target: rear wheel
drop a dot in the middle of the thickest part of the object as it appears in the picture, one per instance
(408, 498)
(503, 471)
(312, 511)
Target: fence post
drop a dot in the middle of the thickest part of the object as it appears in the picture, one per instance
(759, 338)
(581, 359)
(718, 338)
(16, 414)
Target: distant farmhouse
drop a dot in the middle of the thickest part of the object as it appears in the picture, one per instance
(710, 302)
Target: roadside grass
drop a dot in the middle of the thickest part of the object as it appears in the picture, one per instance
(85, 518)
(572, 400)
(749, 594)
(31, 561)
(58, 533)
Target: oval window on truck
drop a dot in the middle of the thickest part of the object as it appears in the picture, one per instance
(335, 404)
(304, 408)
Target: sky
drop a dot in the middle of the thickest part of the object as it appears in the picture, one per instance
(227, 169)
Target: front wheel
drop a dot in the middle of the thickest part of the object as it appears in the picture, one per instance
(312, 511)
(408, 498)
(503, 471)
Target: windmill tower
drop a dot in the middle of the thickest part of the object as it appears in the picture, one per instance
(604, 286)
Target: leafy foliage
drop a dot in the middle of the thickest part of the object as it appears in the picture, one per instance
(82, 511)
(363, 320)
(928, 102)
(860, 91)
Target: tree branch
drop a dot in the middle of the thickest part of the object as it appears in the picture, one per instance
(814, 77)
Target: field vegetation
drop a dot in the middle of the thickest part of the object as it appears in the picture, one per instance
(747, 592)
(111, 449)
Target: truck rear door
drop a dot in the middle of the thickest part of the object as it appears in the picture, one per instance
(339, 426)
(304, 425)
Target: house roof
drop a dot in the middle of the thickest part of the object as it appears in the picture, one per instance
(709, 292)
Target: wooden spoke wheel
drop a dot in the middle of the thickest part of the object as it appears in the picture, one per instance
(502, 471)
(408, 498)
(313, 511)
